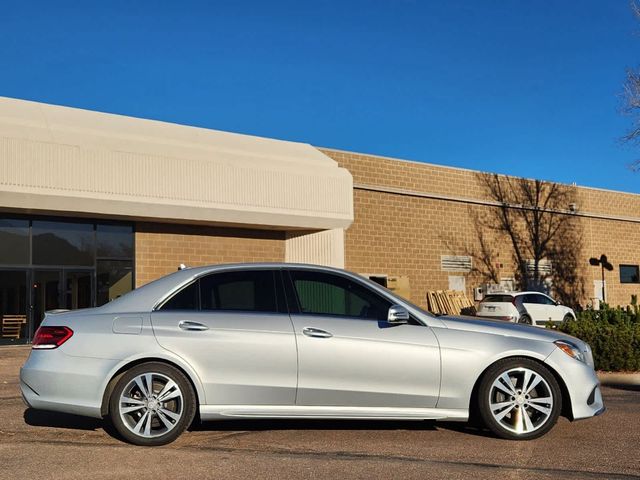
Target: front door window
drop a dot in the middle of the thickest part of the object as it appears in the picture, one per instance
(325, 294)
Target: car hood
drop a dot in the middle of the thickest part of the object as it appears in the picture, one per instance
(507, 329)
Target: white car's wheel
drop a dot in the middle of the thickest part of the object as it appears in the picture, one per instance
(152, 404)
(526, 319)
(519, 399)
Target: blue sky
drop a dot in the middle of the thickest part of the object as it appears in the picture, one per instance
(524, 88)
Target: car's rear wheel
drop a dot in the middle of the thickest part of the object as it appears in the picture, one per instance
(519, 399)
(526, 319)
(152, 404)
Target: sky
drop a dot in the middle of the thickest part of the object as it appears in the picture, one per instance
(523, 88)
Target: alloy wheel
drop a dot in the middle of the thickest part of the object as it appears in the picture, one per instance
(151, 405)
(521, 400)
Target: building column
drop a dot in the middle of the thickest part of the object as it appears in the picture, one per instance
(325, 247)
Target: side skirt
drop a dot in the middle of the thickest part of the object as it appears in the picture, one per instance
(220, 412)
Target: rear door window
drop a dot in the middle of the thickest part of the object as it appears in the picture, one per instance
(249, 291)
(244, 291)
(185, 299)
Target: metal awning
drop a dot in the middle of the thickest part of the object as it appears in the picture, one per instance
(67, 160)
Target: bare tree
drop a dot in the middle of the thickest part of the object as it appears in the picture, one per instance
(537, 220)
(631, 100)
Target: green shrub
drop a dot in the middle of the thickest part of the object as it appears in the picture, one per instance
(614, 336)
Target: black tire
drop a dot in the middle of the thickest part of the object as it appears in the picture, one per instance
(182, 406)
(567, 318)
(525, 319)
(513, 426)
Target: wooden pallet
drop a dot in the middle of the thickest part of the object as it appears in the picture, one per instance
(449, 302)
(12, 325)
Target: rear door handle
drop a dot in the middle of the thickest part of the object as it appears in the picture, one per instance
(316, 332)
(193, 326)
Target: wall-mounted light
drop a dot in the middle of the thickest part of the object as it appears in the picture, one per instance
(605, 265)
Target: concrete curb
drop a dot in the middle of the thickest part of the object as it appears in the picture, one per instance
(619, 378)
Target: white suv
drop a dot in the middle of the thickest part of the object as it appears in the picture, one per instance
(532, 308)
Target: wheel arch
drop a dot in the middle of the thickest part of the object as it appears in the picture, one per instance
(566, 411)
(108, 390)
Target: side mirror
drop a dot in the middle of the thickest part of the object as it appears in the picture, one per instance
(398, 314)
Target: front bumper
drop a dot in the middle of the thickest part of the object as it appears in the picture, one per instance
(52, 380)
(582, 385)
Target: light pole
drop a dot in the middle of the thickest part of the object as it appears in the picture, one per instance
(604, 264)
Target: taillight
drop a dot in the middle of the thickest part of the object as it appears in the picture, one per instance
(47, 338)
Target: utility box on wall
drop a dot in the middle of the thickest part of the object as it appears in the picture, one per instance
(400, 286)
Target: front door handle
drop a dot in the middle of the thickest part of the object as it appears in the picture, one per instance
(316, 332)
(192, 326)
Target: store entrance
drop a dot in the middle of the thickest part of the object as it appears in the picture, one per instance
(60, 289)
(14, 326)
(47, 289)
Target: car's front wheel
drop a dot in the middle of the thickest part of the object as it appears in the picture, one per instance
(519, 399)
(152, 404)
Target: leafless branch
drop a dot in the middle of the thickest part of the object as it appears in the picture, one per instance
(534, 217)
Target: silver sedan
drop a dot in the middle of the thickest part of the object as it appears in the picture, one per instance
(298, 341)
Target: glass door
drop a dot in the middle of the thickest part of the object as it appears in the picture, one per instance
(13, 306)
(46, 293)
(78, 291)
(58, 288)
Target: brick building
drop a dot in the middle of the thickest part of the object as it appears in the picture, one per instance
(92, 205)
(405, 214)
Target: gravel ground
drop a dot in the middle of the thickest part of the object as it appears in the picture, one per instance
(49, 445)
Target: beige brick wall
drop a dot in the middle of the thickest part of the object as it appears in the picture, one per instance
(160, 248)
(399, 234)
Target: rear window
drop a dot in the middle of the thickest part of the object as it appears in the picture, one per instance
(498, 298)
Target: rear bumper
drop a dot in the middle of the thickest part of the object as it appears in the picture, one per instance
(52, 380)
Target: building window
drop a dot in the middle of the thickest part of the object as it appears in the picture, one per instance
(85, 263)
(62, 243)
(629, 274)
(14, 241)
(114, 241)
(114, 278)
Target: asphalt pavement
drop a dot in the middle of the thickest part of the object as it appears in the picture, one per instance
(46, 445)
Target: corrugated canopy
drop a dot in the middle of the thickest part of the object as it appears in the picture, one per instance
(60, 159)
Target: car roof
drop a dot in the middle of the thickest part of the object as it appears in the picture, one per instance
(146, 297)
(531, 292)
(516, 294)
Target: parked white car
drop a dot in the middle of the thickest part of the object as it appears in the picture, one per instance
(532, 308)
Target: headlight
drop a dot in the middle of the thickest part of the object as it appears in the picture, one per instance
(571, 350)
